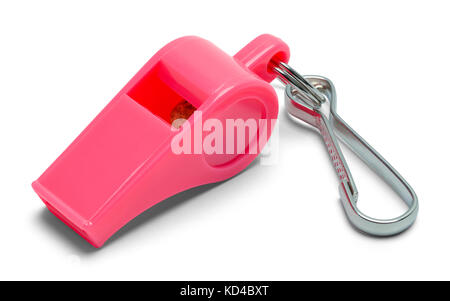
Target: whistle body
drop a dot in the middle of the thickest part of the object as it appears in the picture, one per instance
(123, 162)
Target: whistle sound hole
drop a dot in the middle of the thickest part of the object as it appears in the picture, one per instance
(159, 98)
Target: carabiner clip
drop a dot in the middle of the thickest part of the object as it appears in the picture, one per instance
(304, 99)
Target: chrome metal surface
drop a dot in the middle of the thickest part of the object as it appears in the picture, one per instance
(306, 106)
(289, 76)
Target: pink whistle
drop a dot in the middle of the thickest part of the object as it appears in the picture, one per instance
(124, 161)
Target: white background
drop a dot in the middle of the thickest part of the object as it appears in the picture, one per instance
(61, 62)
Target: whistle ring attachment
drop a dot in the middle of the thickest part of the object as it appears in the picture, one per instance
(288, 75)
(331, 126)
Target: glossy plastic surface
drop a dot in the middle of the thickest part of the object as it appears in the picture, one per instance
(122, 163)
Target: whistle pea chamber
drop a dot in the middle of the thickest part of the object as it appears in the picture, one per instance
(122, 163)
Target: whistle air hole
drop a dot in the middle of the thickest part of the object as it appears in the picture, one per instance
(155, 94)
(68, 222)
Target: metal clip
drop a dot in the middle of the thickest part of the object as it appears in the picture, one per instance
(305, 98)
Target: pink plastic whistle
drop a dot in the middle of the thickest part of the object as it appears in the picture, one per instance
(122, 163)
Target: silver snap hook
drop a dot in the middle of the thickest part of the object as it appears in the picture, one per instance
(304, 99)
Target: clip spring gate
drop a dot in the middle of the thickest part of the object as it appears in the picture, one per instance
(304, 98)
